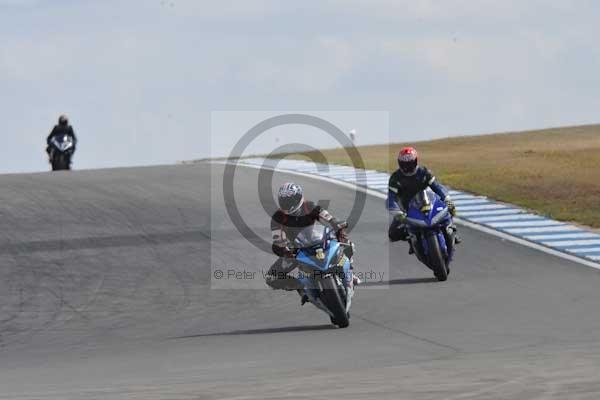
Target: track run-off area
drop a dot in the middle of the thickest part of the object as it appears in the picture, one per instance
(107, 291)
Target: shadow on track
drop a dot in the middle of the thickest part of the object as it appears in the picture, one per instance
(263, 331)
(407, 281)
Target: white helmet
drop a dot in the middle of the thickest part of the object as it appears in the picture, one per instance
(290, 198)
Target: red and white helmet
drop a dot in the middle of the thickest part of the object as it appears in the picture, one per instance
(408, 161)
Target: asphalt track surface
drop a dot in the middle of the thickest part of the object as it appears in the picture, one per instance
(105, 293)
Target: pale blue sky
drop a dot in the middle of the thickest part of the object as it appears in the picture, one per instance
(139, 78)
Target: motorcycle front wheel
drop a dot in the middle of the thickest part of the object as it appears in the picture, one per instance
(332, 299)
(436, 259)
(60, 162)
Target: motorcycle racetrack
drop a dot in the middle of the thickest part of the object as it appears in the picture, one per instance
(108, 291)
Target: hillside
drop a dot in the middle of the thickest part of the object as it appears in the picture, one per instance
(553, 171)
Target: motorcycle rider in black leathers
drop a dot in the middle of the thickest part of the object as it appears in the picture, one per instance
(59, 130)
(294, 214)
(404, 184)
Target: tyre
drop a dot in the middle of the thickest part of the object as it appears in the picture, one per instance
(436, 259)
(60, 163)
(57, 163)
(332, 299)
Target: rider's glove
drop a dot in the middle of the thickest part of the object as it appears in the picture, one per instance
(400, 217)
(451, 206)
(288, 253)
(341, 235)
(340, 231)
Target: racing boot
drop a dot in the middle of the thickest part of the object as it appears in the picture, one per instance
(457, 239)
(303, 297)
(355, 279)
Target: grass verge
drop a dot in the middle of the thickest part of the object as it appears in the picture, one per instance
(555, 172)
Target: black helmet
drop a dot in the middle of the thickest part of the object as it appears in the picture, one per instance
(63, 120)
(290, 198)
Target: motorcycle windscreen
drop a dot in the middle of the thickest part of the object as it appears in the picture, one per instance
(426, 209)
(420, 207)
(310, 236)
(312, 240)
(423, 198)
(64, 143)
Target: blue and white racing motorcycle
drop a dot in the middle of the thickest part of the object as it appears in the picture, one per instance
(324, 272)
(431, 232)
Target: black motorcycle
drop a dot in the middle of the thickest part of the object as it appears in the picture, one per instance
(61, 152)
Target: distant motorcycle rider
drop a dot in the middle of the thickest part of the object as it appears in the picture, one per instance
(294, 214)
(404, 184)
(62, 128)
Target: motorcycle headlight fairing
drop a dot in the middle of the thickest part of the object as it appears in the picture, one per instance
(435, 220)
(340, 257)
(416, 222)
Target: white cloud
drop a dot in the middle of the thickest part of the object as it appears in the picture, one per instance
(465, 11)
(137, 71)
(225, 8)
(312, 67)
(19, 3)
